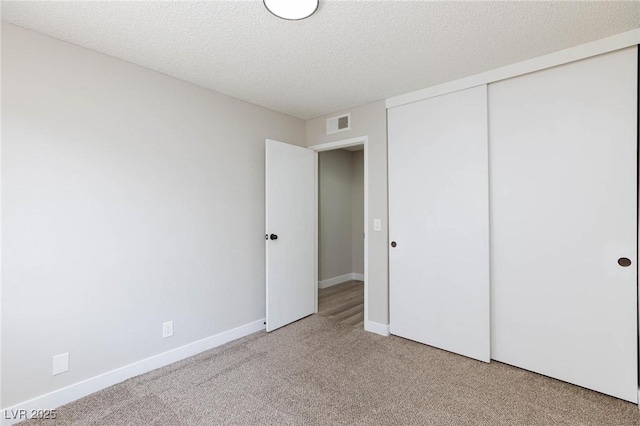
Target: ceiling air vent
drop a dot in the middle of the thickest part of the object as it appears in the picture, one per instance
(338, 124)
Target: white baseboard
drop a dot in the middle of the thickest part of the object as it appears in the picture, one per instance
(340, 279)
(374, 327)
(86, 387)
(357, 277)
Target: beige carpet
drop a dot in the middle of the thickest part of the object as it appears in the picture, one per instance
(317, 371)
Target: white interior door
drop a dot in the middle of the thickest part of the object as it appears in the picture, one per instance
(439, 220)
(563, 203)
(290, 242)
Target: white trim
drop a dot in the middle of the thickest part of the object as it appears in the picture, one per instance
(340, 279)
(598, 47)
(86, 387)
(374, 327)
(1, 274)
(345, 143)
(316, 238)
(360, 140)
(333, 281)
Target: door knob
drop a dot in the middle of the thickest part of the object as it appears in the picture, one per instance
(623, 261)
(273, 236)
(393, 244)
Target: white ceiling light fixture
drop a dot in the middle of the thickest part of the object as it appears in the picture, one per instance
(292, 10)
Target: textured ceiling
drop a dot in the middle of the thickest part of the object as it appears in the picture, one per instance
(349, 53)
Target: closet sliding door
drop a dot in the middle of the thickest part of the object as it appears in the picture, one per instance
(563, 155)
(439, 222)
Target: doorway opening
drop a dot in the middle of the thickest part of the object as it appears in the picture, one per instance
(341, 218)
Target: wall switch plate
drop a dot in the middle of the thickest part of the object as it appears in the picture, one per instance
(377, 225)
(61, 363)
(167, 329)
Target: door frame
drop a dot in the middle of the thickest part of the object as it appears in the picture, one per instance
(329, 146)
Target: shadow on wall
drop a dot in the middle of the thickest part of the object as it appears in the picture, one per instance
(341, 214)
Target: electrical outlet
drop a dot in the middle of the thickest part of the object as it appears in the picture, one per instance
(167, 329)
(377, 225)
(61, 363)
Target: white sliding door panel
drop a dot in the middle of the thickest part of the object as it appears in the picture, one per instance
(290, 227)
(439, 218)
(563, 211)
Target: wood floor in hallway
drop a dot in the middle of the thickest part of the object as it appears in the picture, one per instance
(343, 302)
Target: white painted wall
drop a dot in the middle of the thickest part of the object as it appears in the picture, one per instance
(370, 120)
(129, 198)
(341, 213)
(357, 212)
(334, 215)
